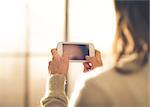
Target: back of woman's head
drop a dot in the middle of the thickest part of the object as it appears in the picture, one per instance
(132, 32)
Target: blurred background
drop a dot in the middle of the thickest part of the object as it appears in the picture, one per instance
(30, 28)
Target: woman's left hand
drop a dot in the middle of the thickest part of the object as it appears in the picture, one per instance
(93, 62)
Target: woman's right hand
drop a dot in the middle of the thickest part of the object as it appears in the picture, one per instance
(59, 64)
(93, 62)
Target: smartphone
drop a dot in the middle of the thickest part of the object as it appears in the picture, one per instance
(76, 51)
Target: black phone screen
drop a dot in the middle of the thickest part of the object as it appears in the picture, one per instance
(76, 51)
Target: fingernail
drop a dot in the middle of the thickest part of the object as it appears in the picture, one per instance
(90, 64)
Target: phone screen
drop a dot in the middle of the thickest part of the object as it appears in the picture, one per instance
(76, 51)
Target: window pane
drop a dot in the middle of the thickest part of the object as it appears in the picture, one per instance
(12, 25)
(46, 24)
(11, 82)
(92, 21)
(38, 75)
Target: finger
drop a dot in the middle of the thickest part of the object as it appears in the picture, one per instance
(49, 62)
(90, 59)
(55, 54)
(85, 70)
(86, 65)
(54, 49)
(97, 55)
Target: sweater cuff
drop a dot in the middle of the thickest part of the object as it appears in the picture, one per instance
(57, 83)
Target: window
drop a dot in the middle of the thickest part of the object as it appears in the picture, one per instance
(90, 21)
(30, 28)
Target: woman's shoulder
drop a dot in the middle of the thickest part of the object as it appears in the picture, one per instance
(101, 73)
(110, 76)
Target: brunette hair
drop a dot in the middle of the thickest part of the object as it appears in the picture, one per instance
(132, 32)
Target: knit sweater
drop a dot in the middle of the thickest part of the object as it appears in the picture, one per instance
(106, 89)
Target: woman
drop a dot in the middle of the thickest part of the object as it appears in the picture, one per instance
(123, 85)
